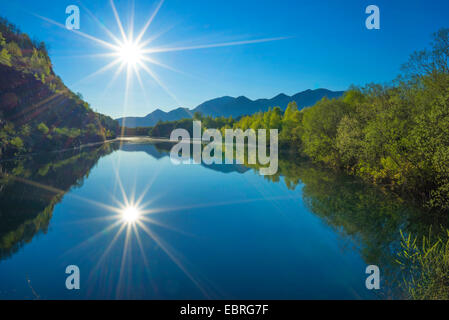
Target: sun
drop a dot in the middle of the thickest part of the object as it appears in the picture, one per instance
(131, 214)
(130, 53)
(133, 55)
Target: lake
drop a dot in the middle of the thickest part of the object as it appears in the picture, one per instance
(206, 232)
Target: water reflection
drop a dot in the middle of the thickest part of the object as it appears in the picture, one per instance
(364, 217)
(30, 187)
(371, 217)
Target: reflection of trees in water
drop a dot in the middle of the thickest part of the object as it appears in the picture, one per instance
(355, 210)
(30, 188)
(367, 216)
(362, 212)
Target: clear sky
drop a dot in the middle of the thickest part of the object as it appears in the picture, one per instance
(328, 46)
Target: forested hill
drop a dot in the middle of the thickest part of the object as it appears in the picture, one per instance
(37, 111)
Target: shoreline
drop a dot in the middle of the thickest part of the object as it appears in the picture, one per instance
(91, 144)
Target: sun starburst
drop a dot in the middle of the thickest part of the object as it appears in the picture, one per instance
(132, 54)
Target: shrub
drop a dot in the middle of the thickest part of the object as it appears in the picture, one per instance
(42, 128)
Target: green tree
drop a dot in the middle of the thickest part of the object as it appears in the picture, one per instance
(197, 116)
(320, 124)
(43, 128)
(2, 40)
(291, 126)
(39, 63)
(14, 49)
(5, 57)
(17, 143)
(275, 118)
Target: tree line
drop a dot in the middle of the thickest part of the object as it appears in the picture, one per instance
(395, 135)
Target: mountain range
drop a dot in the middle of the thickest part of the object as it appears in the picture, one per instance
(230, 106)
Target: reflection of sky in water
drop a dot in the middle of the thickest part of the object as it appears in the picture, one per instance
(203, 234)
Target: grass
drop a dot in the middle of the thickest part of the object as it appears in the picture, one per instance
(425, 267)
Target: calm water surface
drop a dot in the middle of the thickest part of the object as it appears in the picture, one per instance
(210, 231)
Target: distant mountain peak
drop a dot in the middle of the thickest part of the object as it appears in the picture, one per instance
(281, 95)
(229, 106)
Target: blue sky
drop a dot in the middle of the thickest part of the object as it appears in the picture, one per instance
(328, 46)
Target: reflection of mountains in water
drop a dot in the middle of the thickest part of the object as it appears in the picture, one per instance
(31, 187)
(162, 149)
(353, 209)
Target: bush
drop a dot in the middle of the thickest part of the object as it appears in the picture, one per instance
(5, 57)
(2, 40)
(17, 143)
(14, 49)
(42, 128)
